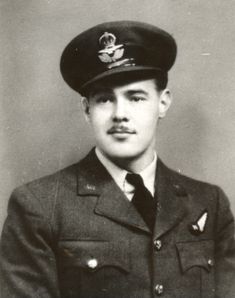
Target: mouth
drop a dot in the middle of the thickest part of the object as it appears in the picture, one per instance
(121, 130)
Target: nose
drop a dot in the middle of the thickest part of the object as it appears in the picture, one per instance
(120, 111)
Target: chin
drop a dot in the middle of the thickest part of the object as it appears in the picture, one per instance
(122, 153)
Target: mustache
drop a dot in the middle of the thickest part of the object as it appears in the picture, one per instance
(120, 129)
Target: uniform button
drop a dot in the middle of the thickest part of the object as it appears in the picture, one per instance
(92, 263)
(159, 289)
(157, 244)
(210, 262)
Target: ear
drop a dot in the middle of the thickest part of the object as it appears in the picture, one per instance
(165, 101)
(86, 108)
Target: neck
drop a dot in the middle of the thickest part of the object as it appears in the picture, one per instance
(136, 164)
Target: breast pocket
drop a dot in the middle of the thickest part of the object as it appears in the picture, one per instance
(93, 268)
(197, 267)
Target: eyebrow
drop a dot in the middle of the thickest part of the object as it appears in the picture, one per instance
(134, 91)
(100, 91)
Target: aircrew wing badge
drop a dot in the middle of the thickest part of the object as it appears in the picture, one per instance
(111, 53)
(198, 227)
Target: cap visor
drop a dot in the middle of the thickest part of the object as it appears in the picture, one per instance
(117, 70)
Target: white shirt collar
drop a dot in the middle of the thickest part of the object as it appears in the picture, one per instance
(119, 174)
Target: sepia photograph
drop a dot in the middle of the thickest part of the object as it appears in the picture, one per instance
(117, 149)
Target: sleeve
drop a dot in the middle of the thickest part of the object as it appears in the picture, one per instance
(224, 249)
(27, 258)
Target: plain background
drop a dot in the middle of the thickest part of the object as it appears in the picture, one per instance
(42, 128)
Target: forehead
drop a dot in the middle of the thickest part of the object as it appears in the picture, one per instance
(145, 86)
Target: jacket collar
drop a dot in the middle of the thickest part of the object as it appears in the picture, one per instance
(94, 179)
(172, 200)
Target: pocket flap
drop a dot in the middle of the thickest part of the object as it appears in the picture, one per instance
(196, 253)
(93, 255)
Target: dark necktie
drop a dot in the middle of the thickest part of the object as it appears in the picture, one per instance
(143, 200)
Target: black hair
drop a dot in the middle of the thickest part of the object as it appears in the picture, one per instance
(160, 78)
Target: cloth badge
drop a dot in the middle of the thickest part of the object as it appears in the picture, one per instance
(198, 227)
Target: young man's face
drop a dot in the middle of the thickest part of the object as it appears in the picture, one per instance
(124, 118)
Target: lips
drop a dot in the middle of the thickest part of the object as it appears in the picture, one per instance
(121, 130)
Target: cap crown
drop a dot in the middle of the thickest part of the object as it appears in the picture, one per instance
(116, 47)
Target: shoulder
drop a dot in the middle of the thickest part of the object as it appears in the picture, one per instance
(47, 183)
(41, 194)
(197, 189)
(200, 197)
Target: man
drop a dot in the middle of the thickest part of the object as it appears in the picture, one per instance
(119, 223)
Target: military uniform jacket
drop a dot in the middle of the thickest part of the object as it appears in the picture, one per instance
(75, 235)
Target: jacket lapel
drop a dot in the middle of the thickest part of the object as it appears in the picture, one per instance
(171, 197)
(94, 179)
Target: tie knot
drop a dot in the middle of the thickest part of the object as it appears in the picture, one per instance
(135, 180)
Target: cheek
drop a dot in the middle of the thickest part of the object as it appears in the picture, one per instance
(147, 118)
(100, 111)
(98, 118)
(149, 128)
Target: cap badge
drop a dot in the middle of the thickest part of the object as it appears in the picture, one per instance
(111, 53)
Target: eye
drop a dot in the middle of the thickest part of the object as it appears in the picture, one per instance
(104, 99)
(137, 98)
